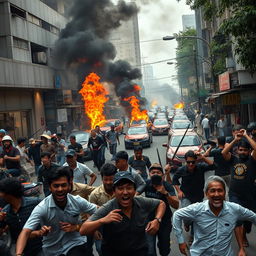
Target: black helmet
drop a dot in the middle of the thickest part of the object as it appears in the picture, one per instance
(251, 126)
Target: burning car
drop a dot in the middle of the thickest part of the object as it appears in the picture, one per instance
(190, 142)
(160, 126)
(137, 135)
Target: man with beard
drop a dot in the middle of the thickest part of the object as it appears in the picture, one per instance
(58, 216)
(214, 221)
(243, 177)
(102, 195)
(158, 188)
(140, 162)
(10, 157)
(124, 219)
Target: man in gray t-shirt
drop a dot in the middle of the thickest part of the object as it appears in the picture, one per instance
(112, 139)
(124, 219)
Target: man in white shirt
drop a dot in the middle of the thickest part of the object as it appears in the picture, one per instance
(206, 127)
(221, 125)
(81, 171)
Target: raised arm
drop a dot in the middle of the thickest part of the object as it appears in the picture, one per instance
(252, 143)
(226, 151)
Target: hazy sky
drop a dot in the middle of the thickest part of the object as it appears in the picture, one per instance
(159, 18)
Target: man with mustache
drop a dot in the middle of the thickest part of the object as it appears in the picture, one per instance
(243, 177)
(214, 221)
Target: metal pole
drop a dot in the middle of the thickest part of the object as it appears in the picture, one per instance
(197, 81)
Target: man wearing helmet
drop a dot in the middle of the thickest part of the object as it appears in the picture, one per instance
(10, 157)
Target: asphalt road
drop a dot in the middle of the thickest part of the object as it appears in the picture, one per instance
(151, 153)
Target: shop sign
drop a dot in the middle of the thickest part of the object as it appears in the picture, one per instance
(224, 81)
(62, 115)
(248, 97)
(67, 97)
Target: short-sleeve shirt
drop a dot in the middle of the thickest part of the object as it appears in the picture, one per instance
(243, 178)
(47, 213)
(95, 143)
(192, 183)
(222, 166)
(112, 136)
(12, 152)
(151, 192)
(77, 147)
(140, 165)
(34, 153)
(99, 196)
(81, 172)
(47, 148)
(126, 236)
(16, 221)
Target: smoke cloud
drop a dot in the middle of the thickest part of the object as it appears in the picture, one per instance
(83, 45)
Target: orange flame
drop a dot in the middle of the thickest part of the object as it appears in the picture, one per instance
(94, 96)
(179, 105)
(136, 113)
(137, 88)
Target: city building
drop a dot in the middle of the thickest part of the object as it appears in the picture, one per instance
(33, 93)
(188, 21)
(232, 92)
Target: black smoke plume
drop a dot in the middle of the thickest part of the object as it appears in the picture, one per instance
(83, 45)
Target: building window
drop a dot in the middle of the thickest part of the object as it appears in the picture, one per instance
(46, 25)
(33, 19)
(20, 43)
(55, 30)
(15, 11)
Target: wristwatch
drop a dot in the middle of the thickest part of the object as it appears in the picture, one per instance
(158, 219)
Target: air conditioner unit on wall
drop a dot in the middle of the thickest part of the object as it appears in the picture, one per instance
(41, 57)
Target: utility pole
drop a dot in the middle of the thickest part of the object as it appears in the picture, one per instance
(197, 80)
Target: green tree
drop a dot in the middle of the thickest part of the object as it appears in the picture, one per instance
(186, 62)
(240, 26)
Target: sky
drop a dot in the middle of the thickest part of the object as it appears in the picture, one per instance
(159, 18)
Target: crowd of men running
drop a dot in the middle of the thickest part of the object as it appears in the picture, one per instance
(133, 207)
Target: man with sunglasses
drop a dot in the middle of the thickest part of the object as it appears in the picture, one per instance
(191, 188)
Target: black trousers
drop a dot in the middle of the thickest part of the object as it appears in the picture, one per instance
(108, 252)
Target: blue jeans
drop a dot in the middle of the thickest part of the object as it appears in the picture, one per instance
(163, 235)
(112, 150)
(207, 133)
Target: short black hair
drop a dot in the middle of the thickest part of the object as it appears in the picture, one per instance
(72, 137)
(63, 171)
(43, 154)
(12, 186)
(244, 144)
(237, 127)
(20, 140)
(122, 155)
(123, 182)
(108, 169)
(138, 148)
(221, 140)
(190, 153)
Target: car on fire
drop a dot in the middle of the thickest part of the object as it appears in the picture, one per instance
(119, 126)
(160, 127)
(190, 142)
(82, 137)
(137, 136)
(138, 123)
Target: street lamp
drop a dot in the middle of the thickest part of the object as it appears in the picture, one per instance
(167, 38)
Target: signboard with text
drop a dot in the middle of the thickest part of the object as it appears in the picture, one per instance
(224, 81)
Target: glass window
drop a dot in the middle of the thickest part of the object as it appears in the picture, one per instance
(33, 19)
(190, 140)
(20, 43)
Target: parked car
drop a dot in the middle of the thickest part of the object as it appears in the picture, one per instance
(137, 135)
(190, 142)
(119, 126)
(82, 137)
(180, 117)
(138, 123)
(160, 126)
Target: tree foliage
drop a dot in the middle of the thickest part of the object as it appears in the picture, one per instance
(240, 26)
(186, 61)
